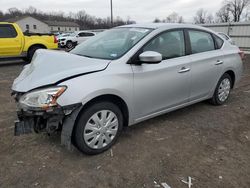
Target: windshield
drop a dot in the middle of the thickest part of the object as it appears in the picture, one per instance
(111, 44)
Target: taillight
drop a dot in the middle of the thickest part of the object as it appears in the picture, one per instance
(55, 39)
(242, 55)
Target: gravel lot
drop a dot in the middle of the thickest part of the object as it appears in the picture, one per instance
(210, 144)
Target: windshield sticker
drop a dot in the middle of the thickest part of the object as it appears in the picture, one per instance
(113, 55)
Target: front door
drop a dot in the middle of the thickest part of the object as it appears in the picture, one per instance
(158, 87)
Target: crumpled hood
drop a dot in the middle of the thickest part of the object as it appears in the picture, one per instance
(49, 67)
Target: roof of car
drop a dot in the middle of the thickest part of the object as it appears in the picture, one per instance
(164, 25)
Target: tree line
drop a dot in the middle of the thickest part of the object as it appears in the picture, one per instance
(84, 20)
(230, 11)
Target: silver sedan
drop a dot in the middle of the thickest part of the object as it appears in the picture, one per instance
(121, 77)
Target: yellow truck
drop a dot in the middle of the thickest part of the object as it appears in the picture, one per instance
(15, 43)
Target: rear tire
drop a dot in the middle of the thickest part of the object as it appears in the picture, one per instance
(222, 91)
(98, 128)
(31, 53)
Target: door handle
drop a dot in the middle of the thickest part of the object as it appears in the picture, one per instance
(184, 69)
(219, 62)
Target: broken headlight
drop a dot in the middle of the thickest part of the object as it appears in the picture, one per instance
(42, 98)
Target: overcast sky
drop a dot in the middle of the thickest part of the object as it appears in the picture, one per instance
(138, 10)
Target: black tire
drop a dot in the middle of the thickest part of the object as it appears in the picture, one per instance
(25, 59)
(85, 115)
(69, 44)
(215, 100)
(31, 53)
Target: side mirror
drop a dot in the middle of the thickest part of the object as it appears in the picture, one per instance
(150, 57)
(77, 36)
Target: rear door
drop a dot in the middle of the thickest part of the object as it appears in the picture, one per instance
(206, 66)
(158, 87)
(10, 43)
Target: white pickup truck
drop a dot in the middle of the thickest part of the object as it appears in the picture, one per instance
(75, 38)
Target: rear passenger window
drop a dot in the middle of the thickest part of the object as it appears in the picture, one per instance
(219, 42)
(170, 44)
(89, 34)
(201, 41)
(7, 31)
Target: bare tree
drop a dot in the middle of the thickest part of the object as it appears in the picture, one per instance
(174, 18)
(157, 20)
(129, 21)
(200, 17)
(223, 15)
(31, 10)
(246, 15)
(181, 20)
(210, 19)
(84, 20)
(236, 7)
(14, 12)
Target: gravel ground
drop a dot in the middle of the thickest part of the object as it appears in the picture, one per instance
(210, 144)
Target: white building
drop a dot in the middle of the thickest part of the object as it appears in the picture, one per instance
(238, 31)
(59, 26)
(33, 25)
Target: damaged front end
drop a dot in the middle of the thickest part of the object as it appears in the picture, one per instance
(38, 112)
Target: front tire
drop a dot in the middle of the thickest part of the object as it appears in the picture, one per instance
(98, 128)
(222, 90)
(69, 44)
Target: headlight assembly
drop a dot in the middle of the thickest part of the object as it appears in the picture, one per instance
(42, 98)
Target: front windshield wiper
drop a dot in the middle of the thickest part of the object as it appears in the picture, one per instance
(85, 55)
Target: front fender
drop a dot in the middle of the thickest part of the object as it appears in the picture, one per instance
(84, 88)
(67, 128)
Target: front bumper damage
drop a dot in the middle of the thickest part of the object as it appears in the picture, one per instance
(57, 119)
(39, 121)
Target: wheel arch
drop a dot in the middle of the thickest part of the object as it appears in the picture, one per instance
(69, 123)
(70, 40)
(113, 99)
(36, 45)
(231, 73)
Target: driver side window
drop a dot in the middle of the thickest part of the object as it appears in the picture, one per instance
(170, 44)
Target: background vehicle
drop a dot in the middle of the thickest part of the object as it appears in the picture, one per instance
(121, 77)
(60, 35)
(14, 43)
(226, 37)
(75, 38)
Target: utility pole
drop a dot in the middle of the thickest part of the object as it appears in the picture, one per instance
(111, 5)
